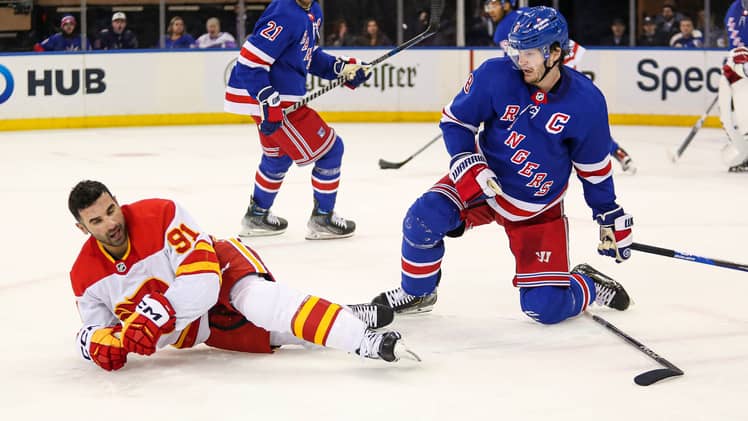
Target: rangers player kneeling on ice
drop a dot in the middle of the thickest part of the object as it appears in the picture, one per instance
(148, 277)
(540, 119)
(733, 106)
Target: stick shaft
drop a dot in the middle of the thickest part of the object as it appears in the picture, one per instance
(436, 6)
(646, 248)
(694, 130)
(636, 344)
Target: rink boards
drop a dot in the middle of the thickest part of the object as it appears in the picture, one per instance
(642, 86)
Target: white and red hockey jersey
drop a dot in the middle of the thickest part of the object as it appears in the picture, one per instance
(167, 253)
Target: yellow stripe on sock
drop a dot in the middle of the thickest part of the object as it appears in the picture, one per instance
(325, 324)
(302, 315)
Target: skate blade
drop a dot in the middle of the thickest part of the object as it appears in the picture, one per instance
(403, 352)
(317, 235)
(247, 233)
(419, 310)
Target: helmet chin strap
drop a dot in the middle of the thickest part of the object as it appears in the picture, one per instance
(547, 69)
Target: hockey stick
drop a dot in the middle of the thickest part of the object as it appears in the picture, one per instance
(387, 165)
(690, 257)
(649, 377)
(682, 148)
(435, 13)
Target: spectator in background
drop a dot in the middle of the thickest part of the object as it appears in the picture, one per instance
(176, 37)
(667, 22)
(688, 37)
(65, 40)
(340, 37)
(372, 36)
(117, 36)
(215, 38)
(650, 37)
(617, 34)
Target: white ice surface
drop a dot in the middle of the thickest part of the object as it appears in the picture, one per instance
(482, 358)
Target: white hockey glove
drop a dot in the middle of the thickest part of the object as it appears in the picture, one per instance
(470, 174)
(615, 234)
(355, 72)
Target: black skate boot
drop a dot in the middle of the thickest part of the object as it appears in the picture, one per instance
(258, 222)
(328, 226)
(387, 346)
(627, 164)
(404, 303)
(742, 167)
(609, 292)
(374, 315)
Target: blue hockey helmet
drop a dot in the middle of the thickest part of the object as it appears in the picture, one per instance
(538, 27)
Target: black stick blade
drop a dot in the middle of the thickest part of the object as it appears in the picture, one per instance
(387, 165)
(654, 376)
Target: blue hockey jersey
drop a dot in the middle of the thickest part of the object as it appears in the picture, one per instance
(60, 42)
(532, 139)
(280, 52)
(736, 20)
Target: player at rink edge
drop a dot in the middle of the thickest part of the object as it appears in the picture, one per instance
(148, 277)
(733, 88)
(508, 13)
(541, 119)
(269, 76)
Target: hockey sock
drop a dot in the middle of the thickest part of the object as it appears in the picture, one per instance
(268, 180)
(583, 289)
(278, 308)
(326, 177)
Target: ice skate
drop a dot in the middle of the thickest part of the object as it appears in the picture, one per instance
(374, 315)
(258, 222)
(387, 346)
(609, 292)
(627, 164)
(404, 303)
(742, 167)
(328, 226)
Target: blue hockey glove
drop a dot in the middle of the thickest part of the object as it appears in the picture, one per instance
(271, 112)
(355, 72)
(615, 234)
(470, 174)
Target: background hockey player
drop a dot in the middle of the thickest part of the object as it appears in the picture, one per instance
(736, 24)
(148, 277)
(269, 76)
(541, 119)
(733, 88)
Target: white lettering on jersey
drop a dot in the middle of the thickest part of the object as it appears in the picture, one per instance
(272, 31)
(510, 113)
(543, 256)
(557, 122)
(514, 139)
(468, 84)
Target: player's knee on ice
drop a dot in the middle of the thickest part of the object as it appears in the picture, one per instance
(548, 304)
(429, 219)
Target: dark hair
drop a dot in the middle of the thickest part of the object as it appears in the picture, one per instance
(84, 194)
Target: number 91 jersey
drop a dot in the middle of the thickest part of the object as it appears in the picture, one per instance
(167, 253)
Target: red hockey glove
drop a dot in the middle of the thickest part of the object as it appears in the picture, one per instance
(102, 346)
(736, 66)
(354, 71)
(615, 234)
(271, 112)
(470, 174)
(142, 330)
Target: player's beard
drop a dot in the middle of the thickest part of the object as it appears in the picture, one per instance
(115, 237)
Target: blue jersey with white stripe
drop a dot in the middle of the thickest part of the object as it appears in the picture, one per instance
(280, 52)
(736, 24)
(532, 139)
